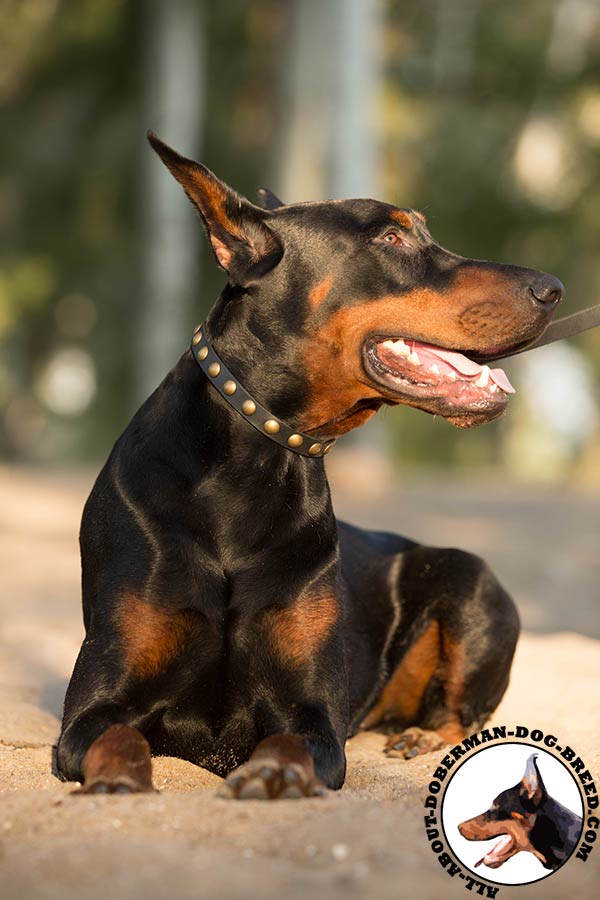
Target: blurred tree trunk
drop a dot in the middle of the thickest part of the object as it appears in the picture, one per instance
(453, 56)
(173, 74)
(327, 107)
(352, 99)
(328, 118)
(306, 76)
(352, 120)
(572, 36)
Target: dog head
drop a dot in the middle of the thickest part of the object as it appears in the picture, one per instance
(351, 304)
(510, 817)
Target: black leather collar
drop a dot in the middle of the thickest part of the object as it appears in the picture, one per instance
(249, 409)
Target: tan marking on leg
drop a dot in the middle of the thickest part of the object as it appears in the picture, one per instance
(435, 653)
(299, 631)
(152, 637)
(401, 698)
(452, 732)
(320, 291)
(453, 671)
(402, 695)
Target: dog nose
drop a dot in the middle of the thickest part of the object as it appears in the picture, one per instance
(547, 290)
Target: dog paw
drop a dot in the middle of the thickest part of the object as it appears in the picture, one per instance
(119, 785)
(118, 762)
(270, 780)
(413, 742)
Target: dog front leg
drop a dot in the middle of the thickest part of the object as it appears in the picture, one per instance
(295, 688)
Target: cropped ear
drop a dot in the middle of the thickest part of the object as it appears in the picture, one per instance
(532, 789)
(269, 200)
(243, 244)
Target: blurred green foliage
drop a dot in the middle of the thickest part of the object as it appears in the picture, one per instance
(450, 150)
(453, 124)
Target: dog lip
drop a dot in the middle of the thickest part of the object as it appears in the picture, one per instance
(498, 352)
(476, 355)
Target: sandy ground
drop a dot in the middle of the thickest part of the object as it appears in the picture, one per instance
(366, 841)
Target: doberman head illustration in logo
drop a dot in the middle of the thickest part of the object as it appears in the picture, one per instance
(525, 817)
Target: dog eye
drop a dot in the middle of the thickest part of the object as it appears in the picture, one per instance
(392, 237)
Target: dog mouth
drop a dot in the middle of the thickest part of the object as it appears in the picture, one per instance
(440, 381)
(499, 854)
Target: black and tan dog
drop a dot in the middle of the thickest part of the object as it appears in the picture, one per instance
(525, 818)
(229, 619)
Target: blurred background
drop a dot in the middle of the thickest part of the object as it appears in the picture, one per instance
(485, 114)
(485, 118)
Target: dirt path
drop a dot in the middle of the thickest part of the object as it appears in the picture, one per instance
(366, 841)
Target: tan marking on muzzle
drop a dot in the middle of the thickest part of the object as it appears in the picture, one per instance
(479, 310)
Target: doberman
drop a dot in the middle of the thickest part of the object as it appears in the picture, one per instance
(229, 619)
(528, 819)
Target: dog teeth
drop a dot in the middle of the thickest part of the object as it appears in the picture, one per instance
(484, 378)
(399, 347)
(435, 369)
(414, 359)
(451, 376)
(493, 388)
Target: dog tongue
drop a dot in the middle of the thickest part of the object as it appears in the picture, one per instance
(461, 363)
(466, 366)
(492, 855)
(500, 378)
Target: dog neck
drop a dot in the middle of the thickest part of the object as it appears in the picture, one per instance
(225, 383)
(554, 833)
(264, 489)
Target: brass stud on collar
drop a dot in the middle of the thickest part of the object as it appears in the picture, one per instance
(229, 387)
(271, 426)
